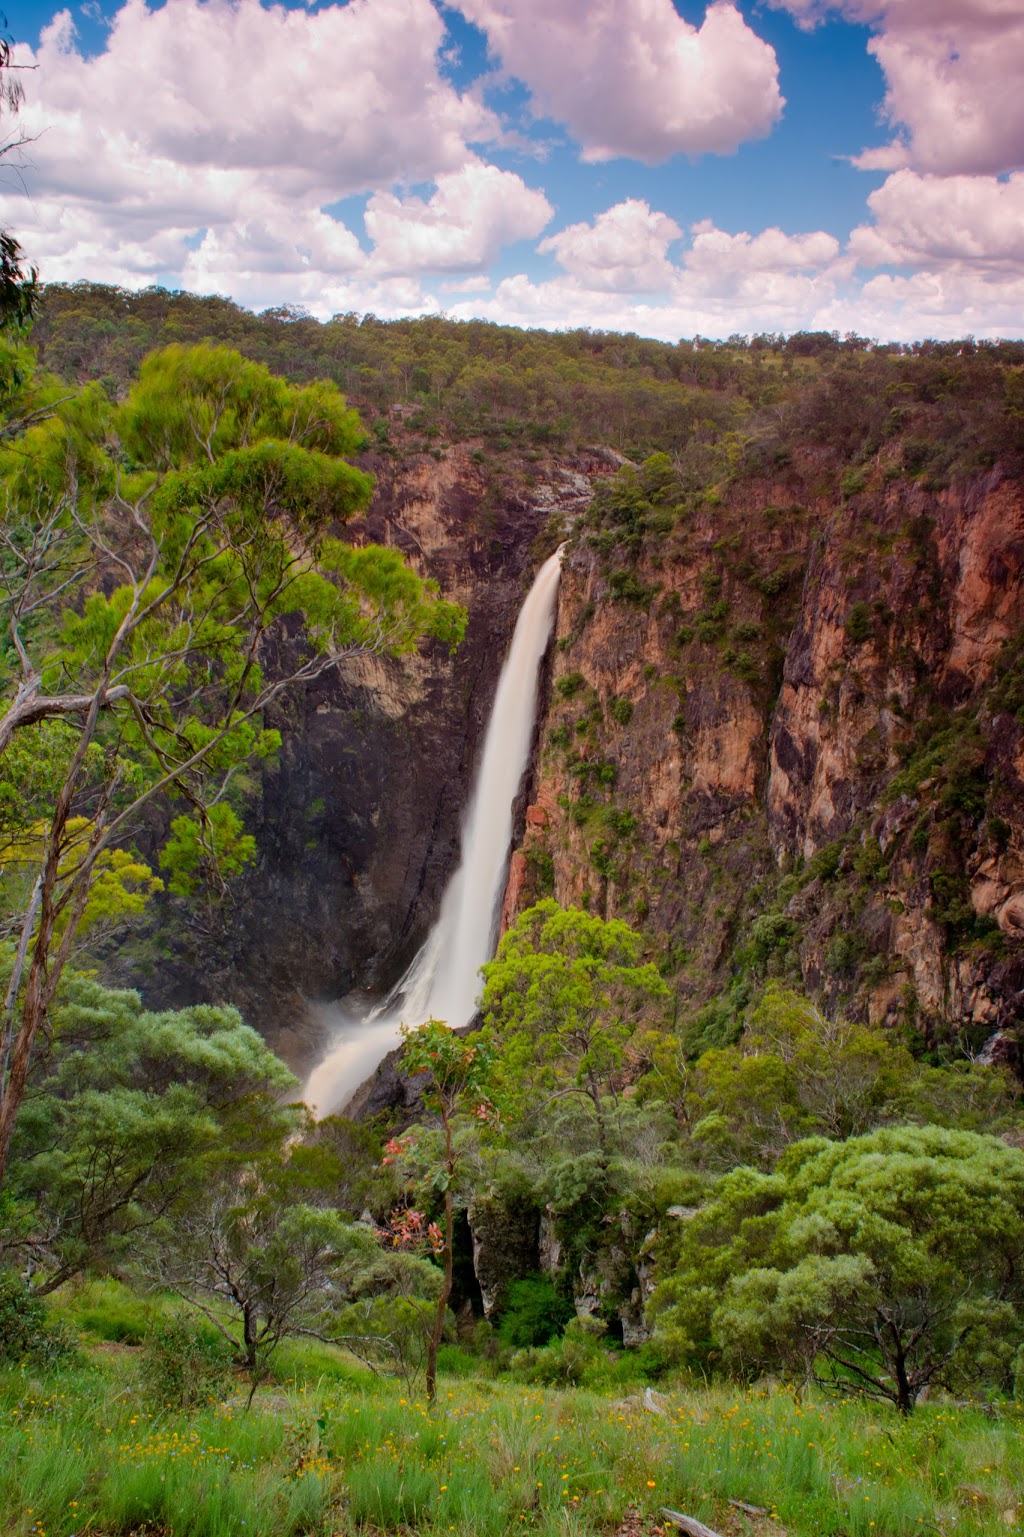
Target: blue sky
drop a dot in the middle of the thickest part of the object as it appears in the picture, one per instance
(626, 164)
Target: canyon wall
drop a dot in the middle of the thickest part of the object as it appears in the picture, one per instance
(357, 818)
(784, 740)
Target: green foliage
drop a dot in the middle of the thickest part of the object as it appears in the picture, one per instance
(859, 624)
(271, 1266)
(627, 587)
(563, 996)
(772, 935)
(621, 711)
(569, 686)
(794, 1073)
(541, 864)
(131, 1114)
(894, 1258)
(183, 1368)
(26, 1335)
(206, 851)
(211, 499)
(533, 1312)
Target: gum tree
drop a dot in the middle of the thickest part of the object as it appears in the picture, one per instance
(880, 1265)
(168, 567)
(564, 996)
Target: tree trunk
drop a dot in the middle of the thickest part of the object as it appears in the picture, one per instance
(904, 1396)
(437, 1330)
(442, 1301)
(249, 1336)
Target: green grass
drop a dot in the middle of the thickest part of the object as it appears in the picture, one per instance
(327, 1450)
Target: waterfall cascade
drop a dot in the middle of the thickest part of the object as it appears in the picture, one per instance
(443, 980)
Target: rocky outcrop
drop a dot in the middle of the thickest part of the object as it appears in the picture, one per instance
(744, 721)
(506, 1238)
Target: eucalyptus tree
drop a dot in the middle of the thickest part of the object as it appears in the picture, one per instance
(19, 288)
(564, 995)
(168, 567)
(878, 1266)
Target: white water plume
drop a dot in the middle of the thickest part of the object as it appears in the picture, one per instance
(443, 980)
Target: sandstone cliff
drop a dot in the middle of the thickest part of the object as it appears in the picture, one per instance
(783, 738)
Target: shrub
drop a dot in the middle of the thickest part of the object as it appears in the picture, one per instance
(25, 1333)
(183, 1369)
(621, 710)
(534, 1313)
(627, 587)
(569, 686)
(858, 625)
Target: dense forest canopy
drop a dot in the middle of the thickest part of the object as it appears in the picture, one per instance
(532, 389)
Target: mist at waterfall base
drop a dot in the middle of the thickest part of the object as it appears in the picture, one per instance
(443, 981)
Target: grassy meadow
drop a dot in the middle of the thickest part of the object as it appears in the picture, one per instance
(328, 1448)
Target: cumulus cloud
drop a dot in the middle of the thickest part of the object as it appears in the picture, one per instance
(924, 220)
(715, 252)
(632, 77)
(624, 250)
(618, 275)
(203, 143)
(348, 96)
(953, 71)
(461, 228)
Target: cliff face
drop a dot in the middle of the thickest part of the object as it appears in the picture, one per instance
(783, 738)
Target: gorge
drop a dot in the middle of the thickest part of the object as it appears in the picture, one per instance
(780, 727)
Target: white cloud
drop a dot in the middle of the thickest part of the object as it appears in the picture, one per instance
(632, 77)
(461, 228)
(203, 143)
(953, 71)
(349, 96)
(924, 220)
(618, 276)
(716, 253)
(624, 250)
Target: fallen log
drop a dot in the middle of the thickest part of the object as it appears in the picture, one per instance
(687, 1524)
(748, 1510)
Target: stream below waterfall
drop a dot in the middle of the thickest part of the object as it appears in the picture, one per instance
(443, 980)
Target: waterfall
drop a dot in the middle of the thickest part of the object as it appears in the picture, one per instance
(443, 980)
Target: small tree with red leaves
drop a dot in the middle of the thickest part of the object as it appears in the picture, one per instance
(457, 1069)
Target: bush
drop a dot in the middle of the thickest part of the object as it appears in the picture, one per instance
(575, 1359)
(859, 626)
(183, 1369)
(627, 587)
(25, 1334)
(534, 1313)
(569, 686)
